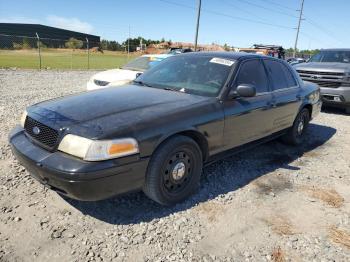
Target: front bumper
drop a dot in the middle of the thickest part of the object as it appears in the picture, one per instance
(316, 109)
(336, 96)
(75, 178)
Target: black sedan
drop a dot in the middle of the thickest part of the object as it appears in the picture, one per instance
(157, 133)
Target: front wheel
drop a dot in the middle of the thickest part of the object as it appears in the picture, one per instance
(296, 133)
(174, 171)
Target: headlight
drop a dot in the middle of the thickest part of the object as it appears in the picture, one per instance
(100, 82)
(97, 150)
(23, 118)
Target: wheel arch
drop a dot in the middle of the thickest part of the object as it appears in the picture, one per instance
(308, 106)
(194, 134)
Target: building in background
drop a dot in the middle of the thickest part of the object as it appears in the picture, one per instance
(49, 36)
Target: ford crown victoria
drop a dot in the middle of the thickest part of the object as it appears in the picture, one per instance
(157, 133)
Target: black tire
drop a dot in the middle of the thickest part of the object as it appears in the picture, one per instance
(296, 133)
(174, 171)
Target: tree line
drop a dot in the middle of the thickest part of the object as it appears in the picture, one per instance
(131, 43)
(74, 43)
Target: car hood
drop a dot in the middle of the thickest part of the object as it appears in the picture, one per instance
(116, 75)
(328, 67)
(93, 114)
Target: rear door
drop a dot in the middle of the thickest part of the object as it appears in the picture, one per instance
(248, 118)
(286, 94)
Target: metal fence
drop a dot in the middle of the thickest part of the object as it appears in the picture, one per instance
(47, 53)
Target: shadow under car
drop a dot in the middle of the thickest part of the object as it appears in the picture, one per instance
(221, 177)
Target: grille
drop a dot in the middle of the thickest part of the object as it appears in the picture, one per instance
(326, 83)
(46, 135)
(320, 73)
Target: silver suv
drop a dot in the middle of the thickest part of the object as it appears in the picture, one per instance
(330, 69)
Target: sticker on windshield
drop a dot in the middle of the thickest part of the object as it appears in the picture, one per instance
(221, 61)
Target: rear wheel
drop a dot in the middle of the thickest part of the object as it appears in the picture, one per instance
(296, 133)
(174, 171)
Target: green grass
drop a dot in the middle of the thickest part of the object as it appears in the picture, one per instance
(62, 59)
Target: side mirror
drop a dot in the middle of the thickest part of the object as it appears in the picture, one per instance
(137, 75)
(243, 90)
(246, 90)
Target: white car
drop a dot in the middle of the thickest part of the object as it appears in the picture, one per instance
(125, 74)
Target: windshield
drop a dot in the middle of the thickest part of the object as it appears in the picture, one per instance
(201, 75)
(139, 64)
(331, 56)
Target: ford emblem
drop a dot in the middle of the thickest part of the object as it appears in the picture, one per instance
(36, 130)
(314, 77)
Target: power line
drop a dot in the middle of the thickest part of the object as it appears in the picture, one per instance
(310, 36)
(268, 9)
(311, 22)
(263, 22)
(324, 30)
(243, 10)
(279, 5)
(228, 16)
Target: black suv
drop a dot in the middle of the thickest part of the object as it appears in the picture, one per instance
(157, 133)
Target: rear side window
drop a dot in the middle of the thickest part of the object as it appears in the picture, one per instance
(253, 72)
(280, 75)
(289, 76)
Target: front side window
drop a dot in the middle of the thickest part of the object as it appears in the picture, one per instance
(331, 57)
(280, 75)
(201, 75)
(253, 73)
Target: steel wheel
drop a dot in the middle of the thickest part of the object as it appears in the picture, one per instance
(296, 133)
(177, 172)
(174, 171)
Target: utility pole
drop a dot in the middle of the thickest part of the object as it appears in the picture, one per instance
(129, 43)
(39, 52)
(298, 29)
(88, 53)
(197, 27)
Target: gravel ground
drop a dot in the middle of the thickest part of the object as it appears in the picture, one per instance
(273, 203)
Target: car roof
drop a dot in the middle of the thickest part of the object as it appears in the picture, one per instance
(227, 55)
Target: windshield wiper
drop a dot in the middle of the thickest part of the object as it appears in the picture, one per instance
(169, 89)
(182, 90)
(142, 83)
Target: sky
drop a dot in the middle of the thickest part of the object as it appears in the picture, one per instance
(238, 23)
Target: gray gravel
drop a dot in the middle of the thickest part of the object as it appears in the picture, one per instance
(273, 203)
